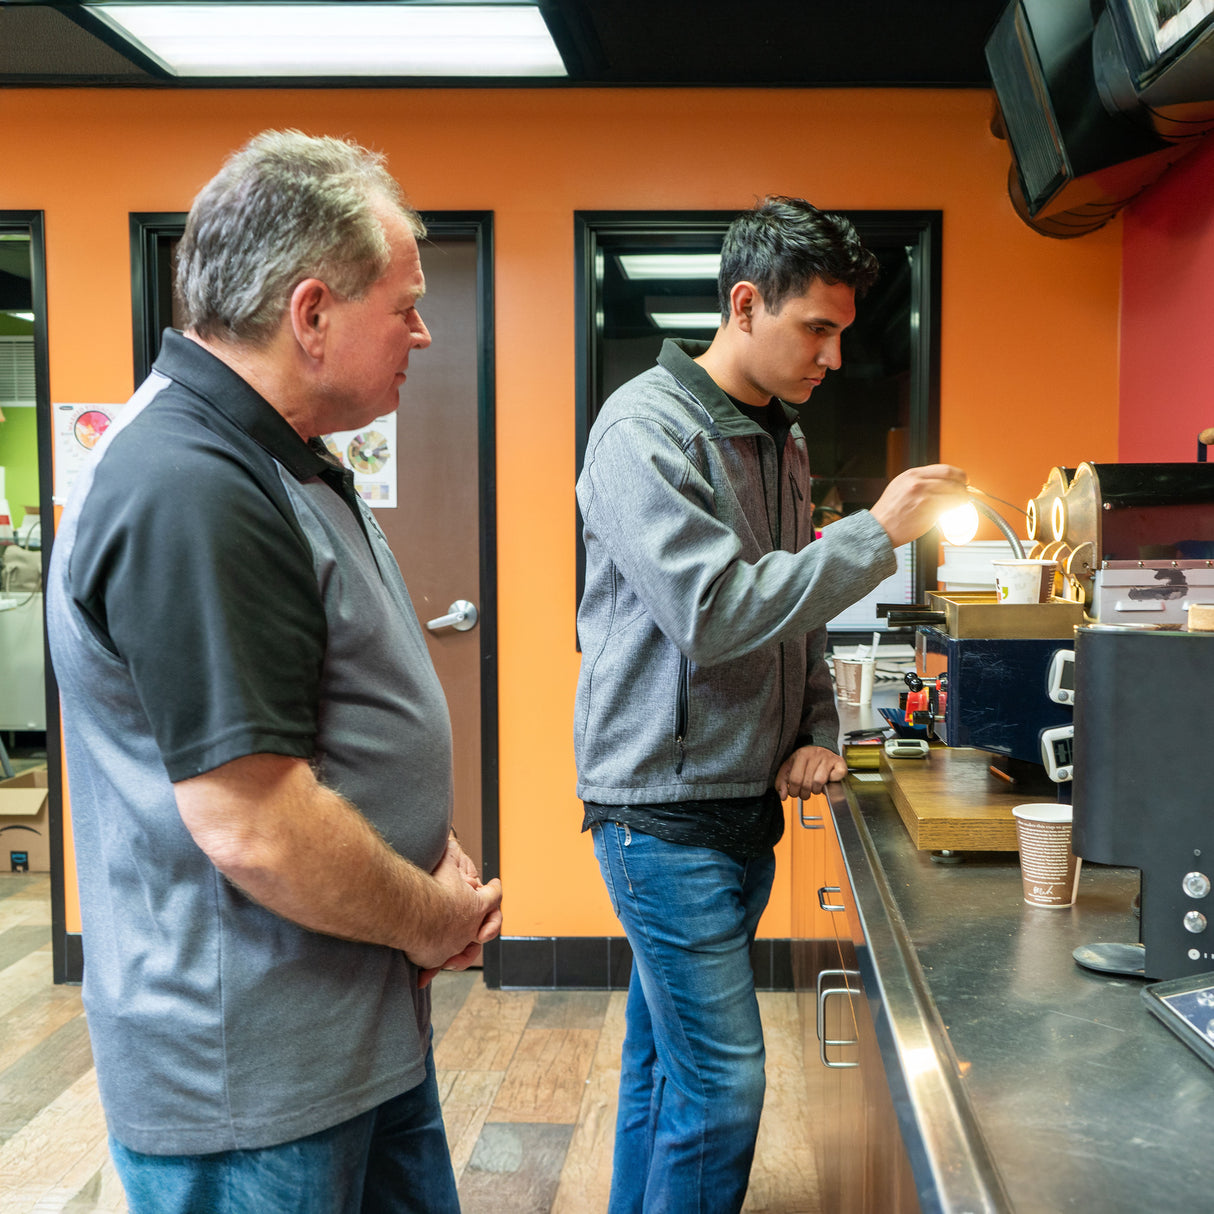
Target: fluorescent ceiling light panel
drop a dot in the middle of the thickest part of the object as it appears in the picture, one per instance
(686, 320)
(638, 266)
(348, 39)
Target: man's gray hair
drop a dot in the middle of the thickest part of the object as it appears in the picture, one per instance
(285, 207)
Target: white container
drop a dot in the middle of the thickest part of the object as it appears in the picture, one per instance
(968, 566)
(1027, 581)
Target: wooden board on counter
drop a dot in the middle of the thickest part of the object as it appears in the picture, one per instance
(949, 800)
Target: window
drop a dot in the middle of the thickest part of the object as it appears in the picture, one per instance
(645, 276)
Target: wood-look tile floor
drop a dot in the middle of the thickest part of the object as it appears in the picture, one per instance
(528, 1082)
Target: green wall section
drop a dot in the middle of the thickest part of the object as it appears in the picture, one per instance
(19, 439)
(19, 459)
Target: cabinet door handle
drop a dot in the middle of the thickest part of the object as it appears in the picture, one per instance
(810, 821)
(822, 892)
(823, 995)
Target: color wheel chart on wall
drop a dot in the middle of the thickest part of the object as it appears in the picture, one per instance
(370, 454)
(78, 430)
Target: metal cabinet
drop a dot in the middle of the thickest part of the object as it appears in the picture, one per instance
(22, 662)
(862, 1164)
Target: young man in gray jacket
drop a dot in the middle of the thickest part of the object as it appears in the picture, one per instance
(704, 697)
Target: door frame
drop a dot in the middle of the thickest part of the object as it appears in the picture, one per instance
(149, 272)
(65, 947)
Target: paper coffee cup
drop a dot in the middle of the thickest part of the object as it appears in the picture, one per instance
(1027, 581)
(854, 680)
(1048, 868)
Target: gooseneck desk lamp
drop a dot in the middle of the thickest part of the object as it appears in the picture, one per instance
(960, 525)
(957, 526)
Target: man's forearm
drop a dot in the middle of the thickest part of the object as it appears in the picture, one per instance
(302, 851)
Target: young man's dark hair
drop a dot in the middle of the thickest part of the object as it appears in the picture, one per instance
(783, 244)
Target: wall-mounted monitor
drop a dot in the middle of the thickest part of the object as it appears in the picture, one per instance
(1155, 62)
(1160, 33)
(1076, 82)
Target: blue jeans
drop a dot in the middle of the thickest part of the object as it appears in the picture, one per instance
(389, 1160)
(691, 1076)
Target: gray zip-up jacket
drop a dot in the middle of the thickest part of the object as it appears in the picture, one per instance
(702, 625)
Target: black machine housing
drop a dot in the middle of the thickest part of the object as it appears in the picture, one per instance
(995, 691)
(1143, 792)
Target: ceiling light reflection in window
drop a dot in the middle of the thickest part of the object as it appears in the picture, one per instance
(638, 266)
(686, 320)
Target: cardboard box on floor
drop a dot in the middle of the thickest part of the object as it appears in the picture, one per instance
(24, 833)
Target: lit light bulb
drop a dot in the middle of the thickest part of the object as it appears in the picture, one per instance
(960, 525)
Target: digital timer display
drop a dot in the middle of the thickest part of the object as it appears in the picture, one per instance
(1064, 751)
(1060, 682)
(1058, 752)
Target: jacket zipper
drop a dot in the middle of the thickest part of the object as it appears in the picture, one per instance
(796, 532)
(796, 529)
(779, 511)
(680, 712)
(773, 529)
(774, 534)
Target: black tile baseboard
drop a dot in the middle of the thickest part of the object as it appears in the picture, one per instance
(73, 958)
(561, 962)
(604, 963)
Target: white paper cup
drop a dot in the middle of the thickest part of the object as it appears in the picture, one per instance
(854, 680)
(1027, 581)
(1048, 868)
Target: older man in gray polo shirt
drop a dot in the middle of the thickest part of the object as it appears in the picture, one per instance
(258, 748)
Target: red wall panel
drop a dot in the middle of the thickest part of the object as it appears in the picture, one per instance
(1167, 314)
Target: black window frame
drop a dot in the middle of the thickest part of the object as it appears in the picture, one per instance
(920, 231)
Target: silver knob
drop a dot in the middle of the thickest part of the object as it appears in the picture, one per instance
(1196, 885)
(1194, 921)
(461, 616)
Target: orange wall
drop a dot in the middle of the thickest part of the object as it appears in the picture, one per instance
(1030, 325)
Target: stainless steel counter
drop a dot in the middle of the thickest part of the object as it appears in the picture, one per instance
(1021, 1081)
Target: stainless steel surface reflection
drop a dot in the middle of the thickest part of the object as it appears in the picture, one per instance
(1022, 1082)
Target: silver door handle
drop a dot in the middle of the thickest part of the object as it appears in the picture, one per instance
(461, 616)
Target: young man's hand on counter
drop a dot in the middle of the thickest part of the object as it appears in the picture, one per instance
(808, 770)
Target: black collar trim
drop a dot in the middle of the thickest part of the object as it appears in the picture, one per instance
(189, 364)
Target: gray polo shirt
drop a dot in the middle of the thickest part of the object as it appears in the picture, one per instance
(217, 589)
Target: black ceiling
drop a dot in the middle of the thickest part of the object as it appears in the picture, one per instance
(797, 43)
(777, 42)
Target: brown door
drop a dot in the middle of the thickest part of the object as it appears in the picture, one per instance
(434, 529)
(445, 492)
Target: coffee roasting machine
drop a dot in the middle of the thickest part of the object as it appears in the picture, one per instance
(1108, 685)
